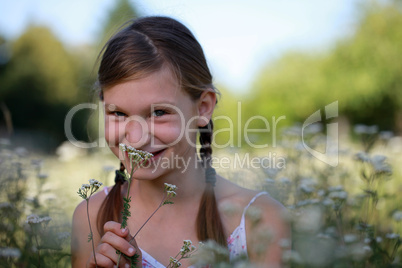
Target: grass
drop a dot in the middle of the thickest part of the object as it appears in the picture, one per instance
(343, 216)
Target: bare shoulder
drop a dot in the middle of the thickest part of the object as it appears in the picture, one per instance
(266, 221)
(232, 193)
(93, 204)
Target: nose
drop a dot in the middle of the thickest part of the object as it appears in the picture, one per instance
(137, 131)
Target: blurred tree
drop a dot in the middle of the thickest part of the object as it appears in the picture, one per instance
(226, 119)
(362, 72)
(5, 117)
(40, 81)
(365, 71)
(38, 85)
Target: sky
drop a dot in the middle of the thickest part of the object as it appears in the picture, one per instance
(239, 37)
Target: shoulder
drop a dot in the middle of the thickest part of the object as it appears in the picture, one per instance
(93, 204)
(266, 221)
(231, 193)
(233, 199)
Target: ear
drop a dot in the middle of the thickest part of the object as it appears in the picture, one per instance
(206, 106)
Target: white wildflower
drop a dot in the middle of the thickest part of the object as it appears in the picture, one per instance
(174, 262)
(10, 253)
(171, 193)
(43, 176)
(122, 147)
(362, 157)
(6, 205)
(63, 235)
(380, 166)
(367, 130)
(187, 248)
(306, 189)
(170, 187)
(270, 181)
(386, 135)
(108, 168)
(397, 216)
(328, 202)
(367, 250)
(285, 243)
(349, 238)
(341, 195)
(284, 180)
(33, 219)
(45, 219)
(292, 256)
(335, 188)
(321, 192)
(392, 236)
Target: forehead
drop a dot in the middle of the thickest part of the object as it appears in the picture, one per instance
(160, 86)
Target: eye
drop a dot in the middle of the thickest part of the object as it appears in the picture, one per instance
(118, 114)
(158, 113)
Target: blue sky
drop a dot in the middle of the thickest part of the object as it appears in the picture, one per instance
(238, 36)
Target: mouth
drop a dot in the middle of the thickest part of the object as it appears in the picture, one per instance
(157, 154)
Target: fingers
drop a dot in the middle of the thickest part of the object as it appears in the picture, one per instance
(115, 242)
(114, 239)
(115, 227)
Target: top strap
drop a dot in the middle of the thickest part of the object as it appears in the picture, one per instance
(242, 222)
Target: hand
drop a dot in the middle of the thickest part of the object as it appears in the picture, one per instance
(115, 239)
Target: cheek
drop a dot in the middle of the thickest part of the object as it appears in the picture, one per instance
(168, 133)
(114, 132)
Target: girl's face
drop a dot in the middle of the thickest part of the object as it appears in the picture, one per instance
(153, 114)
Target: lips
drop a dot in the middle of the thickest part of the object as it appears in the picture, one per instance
(157, 153)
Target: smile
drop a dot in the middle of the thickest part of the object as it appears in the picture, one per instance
(157, 154)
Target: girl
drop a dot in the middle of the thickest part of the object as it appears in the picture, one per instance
(157, 93)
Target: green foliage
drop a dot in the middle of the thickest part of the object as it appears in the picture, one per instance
(38, 87)
(126, 211)
(226, 117)
(40, 67)
(40, 81)
(362, 72)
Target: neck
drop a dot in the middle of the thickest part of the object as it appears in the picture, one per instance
(190, 182)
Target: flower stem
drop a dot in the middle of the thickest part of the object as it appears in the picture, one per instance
(37, 245)
(124, 223)
(91, 234)
(160, 205)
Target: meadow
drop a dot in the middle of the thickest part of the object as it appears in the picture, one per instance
(348, 215)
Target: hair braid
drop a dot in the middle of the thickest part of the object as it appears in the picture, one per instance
(112, 206)
(209, 223)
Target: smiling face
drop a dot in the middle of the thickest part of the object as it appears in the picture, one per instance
(152, 114)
